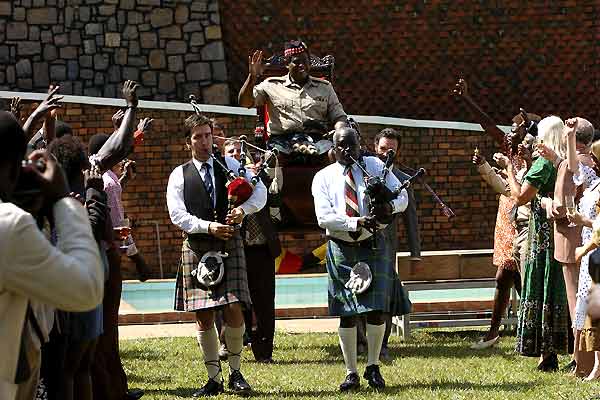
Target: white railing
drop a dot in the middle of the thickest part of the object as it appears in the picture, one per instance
(216, 109)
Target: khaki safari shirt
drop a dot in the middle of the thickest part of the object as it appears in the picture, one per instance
(290, 104)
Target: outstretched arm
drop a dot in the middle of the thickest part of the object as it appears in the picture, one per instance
(120, 143)
(461, 89)
(50, 103)
(256, 68)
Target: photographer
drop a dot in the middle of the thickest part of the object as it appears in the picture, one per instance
(37, 273)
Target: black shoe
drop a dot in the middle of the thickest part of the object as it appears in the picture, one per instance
(134, 394)
(570, 367)
(212, 388)
(373, 376)
(352, 382)
(238, 385)
(143, 270)
(549, 364)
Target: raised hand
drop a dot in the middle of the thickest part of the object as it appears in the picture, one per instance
(50, 103)
(130, 94)
(501, 160)
(525, 153)
(478, 159)
(15, 107)
(117, 118)
(93, 179)
(255, 64)
(461, 88)
(145, 125)
(570, 127)
(546, 152)
(129, 168)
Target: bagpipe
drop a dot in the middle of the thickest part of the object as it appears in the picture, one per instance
(239, 189)
(377, 193)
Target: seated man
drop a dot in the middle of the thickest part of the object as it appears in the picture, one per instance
(297, 102)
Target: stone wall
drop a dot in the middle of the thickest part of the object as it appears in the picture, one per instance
(444, 153)
(88, 47)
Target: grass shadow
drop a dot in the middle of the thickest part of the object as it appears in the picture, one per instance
(135, 354)
(459, 386)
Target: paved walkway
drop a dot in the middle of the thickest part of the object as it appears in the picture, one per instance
(171, 330)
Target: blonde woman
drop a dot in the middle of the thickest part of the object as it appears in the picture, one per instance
(543, 316)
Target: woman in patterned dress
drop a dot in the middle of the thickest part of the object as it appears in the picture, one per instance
(503, 258)
(543, 316)
(587, 212)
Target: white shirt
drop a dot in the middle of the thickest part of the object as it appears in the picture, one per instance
(69, 277)
(176, 204)
(328, 190)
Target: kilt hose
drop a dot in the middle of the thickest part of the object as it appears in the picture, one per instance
(385, 292)
(190, 296)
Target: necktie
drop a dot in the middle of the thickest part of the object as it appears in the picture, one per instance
(208, 186)
(351, 201)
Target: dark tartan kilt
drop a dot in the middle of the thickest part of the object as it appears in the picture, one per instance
(385, 292)
(189, 296)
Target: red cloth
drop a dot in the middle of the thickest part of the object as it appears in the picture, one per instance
(238, 191)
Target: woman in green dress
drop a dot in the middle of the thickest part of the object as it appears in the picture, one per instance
(543, 316)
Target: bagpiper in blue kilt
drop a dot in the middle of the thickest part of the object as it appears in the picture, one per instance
(341, 209)
(197, 200)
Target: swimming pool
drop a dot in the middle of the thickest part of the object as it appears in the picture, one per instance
(290, 292)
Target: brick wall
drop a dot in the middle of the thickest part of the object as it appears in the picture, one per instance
(89, 47)
(444, 153)
(402, 58)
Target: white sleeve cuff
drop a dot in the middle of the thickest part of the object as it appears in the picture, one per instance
(352, 224)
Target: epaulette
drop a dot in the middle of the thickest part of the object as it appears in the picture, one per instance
(275, 79)
(320, 80)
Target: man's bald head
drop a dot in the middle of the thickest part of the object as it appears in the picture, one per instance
(346, 144)
(585, 131)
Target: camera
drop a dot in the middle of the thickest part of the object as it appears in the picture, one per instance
(28, 194)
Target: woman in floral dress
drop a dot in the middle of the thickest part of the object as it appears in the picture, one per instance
(543, 316)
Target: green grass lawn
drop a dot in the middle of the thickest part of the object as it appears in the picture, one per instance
(434, 364)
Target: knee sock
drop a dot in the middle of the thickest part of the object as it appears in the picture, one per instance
(234, 338)
(209, 343)
(348, 345)
(374, 340)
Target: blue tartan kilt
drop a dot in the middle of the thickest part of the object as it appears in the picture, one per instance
(385, 293)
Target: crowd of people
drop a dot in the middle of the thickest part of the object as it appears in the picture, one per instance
(548, 180)
(60, 297)
(59, 300)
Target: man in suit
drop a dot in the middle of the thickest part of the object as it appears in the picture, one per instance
(386, 140)
(262, 247)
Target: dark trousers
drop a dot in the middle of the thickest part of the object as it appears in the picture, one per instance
(108, 377)
(261, 282)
